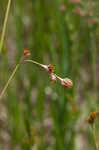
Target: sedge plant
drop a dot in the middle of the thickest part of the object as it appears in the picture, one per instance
(65, 82)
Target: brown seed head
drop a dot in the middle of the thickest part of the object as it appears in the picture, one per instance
(50, 68)
(67, 83)
(26, 52)
(92, 117)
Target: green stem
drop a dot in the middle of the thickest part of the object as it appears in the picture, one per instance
(5, 24)
(13, 73)
(94, 136)
(8, 82)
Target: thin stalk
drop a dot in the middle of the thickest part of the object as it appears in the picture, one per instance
(8, 82)
(43, 66)
(94, 136)
(4, 25)
(34, 62)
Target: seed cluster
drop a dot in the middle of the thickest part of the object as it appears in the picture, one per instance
(65, 82)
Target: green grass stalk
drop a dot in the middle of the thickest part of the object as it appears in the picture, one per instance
(8, 82)
(4, 25)
(94, 137)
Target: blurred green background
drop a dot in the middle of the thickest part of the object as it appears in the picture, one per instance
(36, 114)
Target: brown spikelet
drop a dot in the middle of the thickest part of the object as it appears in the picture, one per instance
(91, 118)
(50, 68)
(26, 52)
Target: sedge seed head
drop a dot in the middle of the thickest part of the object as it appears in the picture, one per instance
(50, 68)
(67, 83)
(92, 117)
(26, 52)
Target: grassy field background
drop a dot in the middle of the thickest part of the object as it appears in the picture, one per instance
(36, 114)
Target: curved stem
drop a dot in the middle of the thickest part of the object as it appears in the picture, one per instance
(5, 24)
(34, 62)
(8, 82)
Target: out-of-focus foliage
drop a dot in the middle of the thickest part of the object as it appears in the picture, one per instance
(36, 113)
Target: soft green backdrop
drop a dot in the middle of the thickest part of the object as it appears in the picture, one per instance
(35, 113)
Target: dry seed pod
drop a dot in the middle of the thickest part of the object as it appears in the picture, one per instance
(67, 83)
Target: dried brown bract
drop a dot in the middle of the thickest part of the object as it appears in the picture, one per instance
(53, 77)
